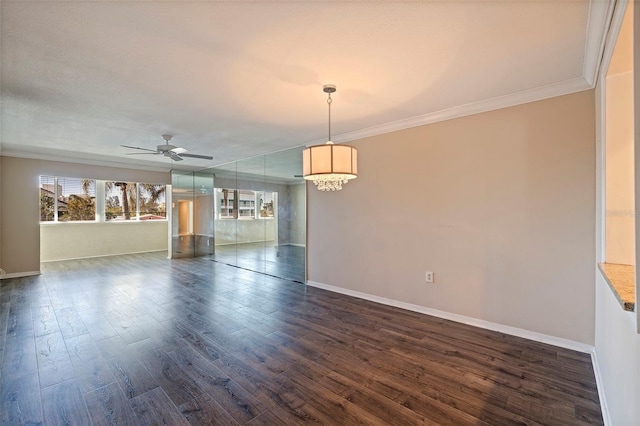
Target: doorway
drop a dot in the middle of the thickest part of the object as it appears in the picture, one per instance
(185, 218)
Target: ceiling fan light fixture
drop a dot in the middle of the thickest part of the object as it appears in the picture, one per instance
(329, 166)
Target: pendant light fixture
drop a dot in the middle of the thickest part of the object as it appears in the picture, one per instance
(330, 165)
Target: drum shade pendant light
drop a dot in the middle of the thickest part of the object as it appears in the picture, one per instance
(330, 165)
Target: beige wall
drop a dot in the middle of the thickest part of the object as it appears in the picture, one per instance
(636, 101)
(204, 214)
(499, 205)
(297, 215)
(78, 240)
(619, 181)
(20, 214)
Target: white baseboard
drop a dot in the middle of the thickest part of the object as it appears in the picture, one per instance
(103, 255)
(514, 331)
(243, 242)
(293, 244)
(604, 407)
(19, 275)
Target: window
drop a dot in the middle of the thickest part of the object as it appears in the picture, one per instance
(225, 203)
(244, 204)
(152, 204)
(134, 201)
(48, 199)
(121, 200)
(265, 203)
(67, 199)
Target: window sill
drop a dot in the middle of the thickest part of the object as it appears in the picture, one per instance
(93, 222)
(621, 279)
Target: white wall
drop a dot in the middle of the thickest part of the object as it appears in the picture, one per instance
(59, 241)
(617, 343)
(618, 356)
(499, 205)
(20, 213)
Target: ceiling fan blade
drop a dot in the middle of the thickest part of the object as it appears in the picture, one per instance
(174, 157)
(141, 153)
(166, 147)
(137, 147)
(204, 157)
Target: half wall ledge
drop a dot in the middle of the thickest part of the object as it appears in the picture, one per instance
(621, 280)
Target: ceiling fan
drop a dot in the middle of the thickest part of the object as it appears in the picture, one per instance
(174, 152)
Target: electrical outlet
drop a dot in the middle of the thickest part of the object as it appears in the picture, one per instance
(429, 277)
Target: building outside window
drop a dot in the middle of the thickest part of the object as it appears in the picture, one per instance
(244, 204)
(65, 199)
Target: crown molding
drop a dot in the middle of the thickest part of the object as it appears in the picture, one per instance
(610, 38)
(599, 26)
(224, 174)
(602, 23)
(531, 95)
(100, 161)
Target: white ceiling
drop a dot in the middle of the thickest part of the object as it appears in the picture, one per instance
(236, 79)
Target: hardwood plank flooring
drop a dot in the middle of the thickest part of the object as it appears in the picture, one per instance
(63, 404)
(21, 401)
(54, 365)
(143, 340)
(155, 408)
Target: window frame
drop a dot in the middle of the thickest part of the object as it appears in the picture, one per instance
(56, 199)
(99, 205)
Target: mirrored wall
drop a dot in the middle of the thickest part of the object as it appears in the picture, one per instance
(192, 208)
(250, 214)
(260, 221)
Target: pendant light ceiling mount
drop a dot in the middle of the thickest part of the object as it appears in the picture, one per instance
(330, 165)
(329, 88)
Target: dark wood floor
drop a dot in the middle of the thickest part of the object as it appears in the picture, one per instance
(283, 261)
(141, 340)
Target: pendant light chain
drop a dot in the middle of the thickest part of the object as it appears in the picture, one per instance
(329, 100)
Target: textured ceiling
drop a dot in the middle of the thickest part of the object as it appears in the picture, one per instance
(237, 79)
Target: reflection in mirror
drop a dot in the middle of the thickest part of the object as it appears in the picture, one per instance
(259, 214)
(288, 257)
(181, 208)
(203, 213)
(191, 214)
(252, 234)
